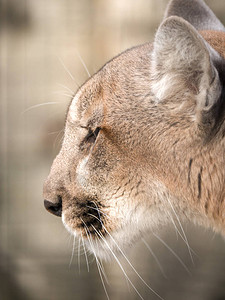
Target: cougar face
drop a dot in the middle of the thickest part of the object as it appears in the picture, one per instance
(144, 137)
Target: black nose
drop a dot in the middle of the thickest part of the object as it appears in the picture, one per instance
(54, 208)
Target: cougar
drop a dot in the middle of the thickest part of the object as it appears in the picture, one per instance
(144, 137)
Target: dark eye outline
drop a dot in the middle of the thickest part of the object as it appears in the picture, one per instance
(92, 135)
(89, 140)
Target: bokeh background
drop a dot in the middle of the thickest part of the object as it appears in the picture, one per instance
(44, 46)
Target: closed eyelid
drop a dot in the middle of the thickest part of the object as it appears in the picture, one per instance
(93, 132)
(90, 137)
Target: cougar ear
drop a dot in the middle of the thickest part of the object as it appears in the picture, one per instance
(182, 66)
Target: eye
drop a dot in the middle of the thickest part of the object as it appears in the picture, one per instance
(92, 135)
(89, 139)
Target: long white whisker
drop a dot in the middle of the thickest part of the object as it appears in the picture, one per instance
(102, 280)
(54, 132)
(98, 210)
(83, 63)
(78, 255)
(96, 259)
(71, 259)
(68, 89)
(62, 93)
(38, 105)
(56, 138)
(100, 273)
(171, 250)
(103, 269)
(130, 264)
(61, 139)
(85, 253)
(101, 264)
(182, 229)
(119, 263)
(175, 226)
(92, 246)
(64, 66)
(155, 257)
(179, 233)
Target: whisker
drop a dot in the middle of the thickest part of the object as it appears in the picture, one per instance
(130, 264)
(96, 259)
(61, 139)
(75, 246)
(66, 69)
(118, 262)
(102, 280)
(56, 138)
(155, 257)
(38, 105)
(62, 93)
(54, 132)
(103, 284)
(85, 253)
(98, 210)
(78, 255)
(174, 253)
(68, 89)
(102, 267)
(95, 217)
(92, 246)
(175, 226)
(71, 259)
(83, 63)
(132, 267)
(179, 233)
(101, 263)
(182, 229)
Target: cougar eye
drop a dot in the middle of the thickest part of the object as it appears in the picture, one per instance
(90, 139)
(92, 135)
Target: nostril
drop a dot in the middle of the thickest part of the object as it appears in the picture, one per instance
(54, 208)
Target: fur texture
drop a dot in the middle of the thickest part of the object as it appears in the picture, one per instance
(144, 137)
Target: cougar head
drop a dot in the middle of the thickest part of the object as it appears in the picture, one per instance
(144, 141)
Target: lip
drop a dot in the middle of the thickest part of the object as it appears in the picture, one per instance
(68, 228)
(84, 224)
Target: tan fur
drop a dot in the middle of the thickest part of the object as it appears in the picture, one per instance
(158, 152)
(216, 39)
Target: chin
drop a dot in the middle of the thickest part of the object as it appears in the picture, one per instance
(106, 245)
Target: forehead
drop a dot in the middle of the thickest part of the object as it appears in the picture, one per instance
(73, 111)
(86, 100)
(117, 80)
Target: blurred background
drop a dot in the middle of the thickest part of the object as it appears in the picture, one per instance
(43, 48)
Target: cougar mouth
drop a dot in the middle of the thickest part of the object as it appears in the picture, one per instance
(85, 218)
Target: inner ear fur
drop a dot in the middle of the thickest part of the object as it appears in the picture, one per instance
(182, 68)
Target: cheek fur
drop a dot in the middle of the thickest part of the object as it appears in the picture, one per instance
(82, 173)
